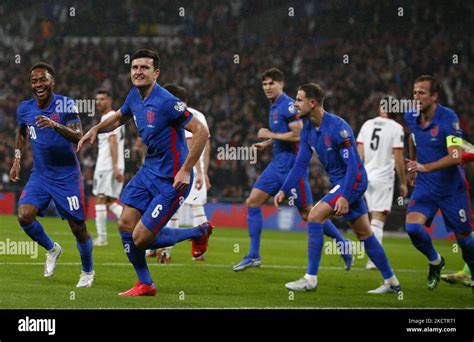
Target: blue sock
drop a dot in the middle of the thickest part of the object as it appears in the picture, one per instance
(421, 240)
(85, 250)
(331, 231)
(255, 222)
(137, 258)
(376, 253)
(315, 246)
(36, 232)
(467, 247)
(170, 236)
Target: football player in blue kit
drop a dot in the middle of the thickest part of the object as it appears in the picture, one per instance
(52, 123)
(435, 164)
(284, 134)
(161, 185)
(332, 140)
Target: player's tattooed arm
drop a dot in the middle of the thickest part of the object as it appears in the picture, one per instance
(20, 142)
(293, 135)
(72, 131)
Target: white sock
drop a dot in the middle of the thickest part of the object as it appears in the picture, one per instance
(392, 281)
(312, 279)
(116, 209)
(437, 261)
(377, 228)
(101, 220)
(199, 215)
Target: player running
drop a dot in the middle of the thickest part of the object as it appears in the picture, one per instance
(435, 158)
(162, 184)
(109, 169)
(380, 145)
(331, 138)
(197, 197)
(284, 134)
(53, 126)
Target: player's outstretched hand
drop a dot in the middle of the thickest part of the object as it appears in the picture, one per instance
(279, 197)
(413, 166)
(259, 146)
(45, 122)
(264, 133)
(90, 136)
(182, 179)
(208, 183)
(118, 175)
(341, 207)
(403, 190)
(199, 182)
(15, 172)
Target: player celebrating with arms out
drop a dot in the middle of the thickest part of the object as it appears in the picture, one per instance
(56, 174)
(331, 138)
(380, 145)
(285, 126)
(161, 185)
(435, 158)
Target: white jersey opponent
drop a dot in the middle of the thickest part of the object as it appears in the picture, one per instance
(104, 180)
(380, 136)
(104, 157)
(197, 197)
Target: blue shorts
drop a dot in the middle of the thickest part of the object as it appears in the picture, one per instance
(155, 197)
(455, 208)
(271, 180)
(67, 195)
(357, 205)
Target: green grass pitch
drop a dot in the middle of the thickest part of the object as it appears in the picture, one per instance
(212, 284)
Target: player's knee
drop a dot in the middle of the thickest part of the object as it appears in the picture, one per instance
(304, 215)
(125, 224)
(25, 217)
(315, 216)
(251, 202)
(140, 240)
(79, 230)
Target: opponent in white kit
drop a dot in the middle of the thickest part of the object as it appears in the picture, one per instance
(109, 169)
(380, 145)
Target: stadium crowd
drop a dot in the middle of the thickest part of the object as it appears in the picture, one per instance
(355, 50)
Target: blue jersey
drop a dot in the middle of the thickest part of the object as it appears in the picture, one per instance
(54, 156)
(335, 146)
(282, 113)
(431, 146)
(160, 119)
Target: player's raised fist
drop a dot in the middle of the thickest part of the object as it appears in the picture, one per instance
(279, 197)
(45, 122)
(413, 166)
(90, 136)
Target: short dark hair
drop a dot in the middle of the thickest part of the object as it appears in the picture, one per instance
(313, 91)
(434, 84)
(273, 73)
(104, 92)
(148, 53)
(43, 65)
(178, 91)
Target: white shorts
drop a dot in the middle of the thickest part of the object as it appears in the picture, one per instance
(379, 196)
(106, 184)
(197, 197)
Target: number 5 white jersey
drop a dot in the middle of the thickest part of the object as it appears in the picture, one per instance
(380, 136)
(104, 157)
